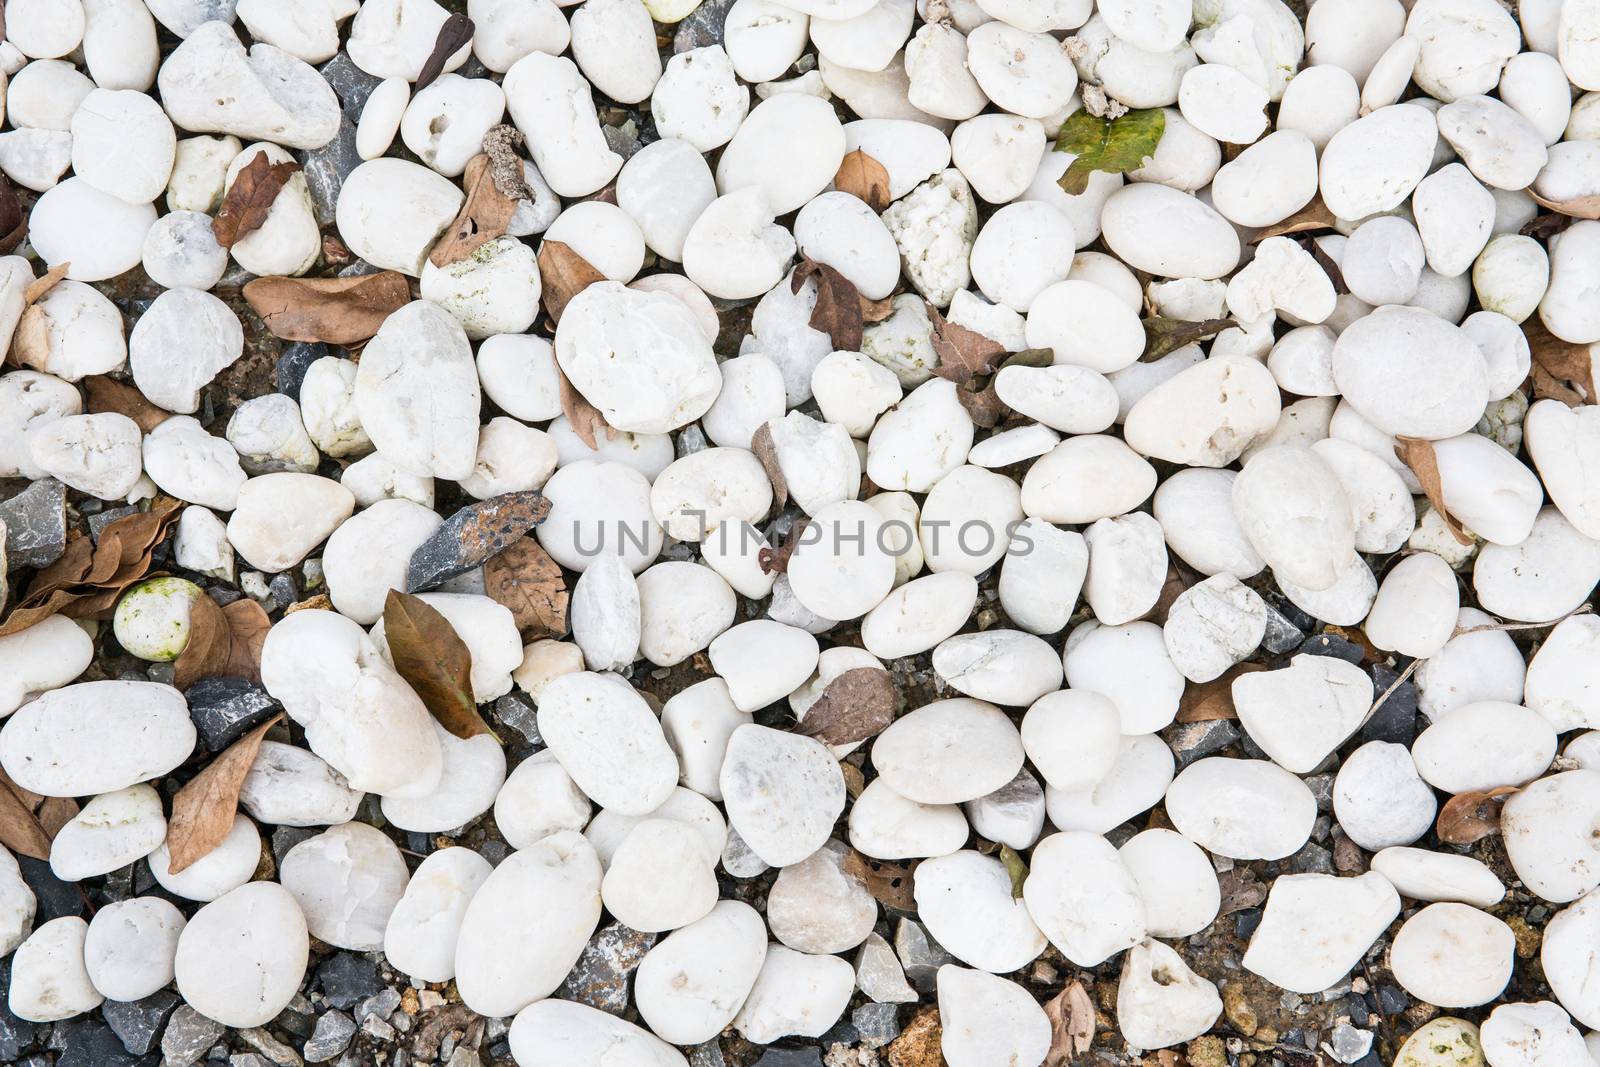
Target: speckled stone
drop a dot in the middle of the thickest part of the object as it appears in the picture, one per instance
(327, 167)
(293, 362)
(138, 1023)
(187, 1037)
(703, 27)
(1332, 645)
(36, 524)
(223, 709)
(600, 977)
(472, 535)
(350, 84)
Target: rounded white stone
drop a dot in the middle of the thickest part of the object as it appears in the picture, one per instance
(241, 958)
(1243, 809)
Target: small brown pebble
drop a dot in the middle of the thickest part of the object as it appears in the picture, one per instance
(409, 1002)
(1207, 1051)
(1236, 1005)
(1528, 938)
(918, 1043)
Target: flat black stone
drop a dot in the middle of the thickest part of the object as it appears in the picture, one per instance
(36, 524)
(1396, 718)
(16, 1035)
(293, 362)
(138, 1024)
(327, 167)
(56, 898)
(791, 1057)
(1334, 646)
(89, 1042)
(224, 709)
(346, 979)
(703, 27)
(350, 84)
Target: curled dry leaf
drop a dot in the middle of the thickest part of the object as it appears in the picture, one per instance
(209, 647)
(431, 657)
(856, 705)
(1467, 817)
(1163, 335)
(1240, 890)
(20, 829)
(1561, 370)
(838, 309)
(864, 178)
(1582, 207)
(337, 311)
(776, 560)
(1544, 227)
(454, 32)
(767, 452)
(529, 583)
(876, 310)
(1208, 701)
(963, 354)
(584, 418)
(250, 198)
(889, 883)
(563, 274)
(1071, 1015)
(108, 394)
(484, 215)
(1418, 454)
(203, 810)
(247, 626)
(1016, 869)
(45, 282)
(1314, 216)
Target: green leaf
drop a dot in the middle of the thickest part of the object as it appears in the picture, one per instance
(1163, 335)
(1115, 145)
(1029, 357)
(1015, 868)
(431, 657)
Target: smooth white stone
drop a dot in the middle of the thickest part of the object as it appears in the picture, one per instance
(417, 392)
(1315, 927)
(691, 984)
(1521, 1035)
(816, 906)
(1482, 745)
(1453, 955)
(1175, 878)
(1374, 163)
(561, 1033)
(795, 994)
(48, 978)
(609, 740)
(1379, 798)
(660, 877)
(289, 786)
(1083, 897)
(391, 212)
(225, 868)
(473, 770)
(984, 1017)
(130, 947)
(44, 657)
(948, 752)
(96, 737)
(112, 831)
(1129, 664)
(1425, 875)
(782, 792)
(420, 937)
(241, 958)
(280, 518)
(965, 901)
(887, 826)
(1242, 809)
(762, 661)
(209, 84)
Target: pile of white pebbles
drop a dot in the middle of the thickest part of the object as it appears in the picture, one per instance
(1390, 206)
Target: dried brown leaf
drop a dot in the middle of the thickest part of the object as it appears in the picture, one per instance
(529, 583)
(838, 309)
(484, 215)
(563, 274)
(1544, 227)
(1240, 891)
(963, 354)
(13, 219)
(247, 628)
(776, 560)
(204, 809)
(337, 311)
(209, 647)
(454, 32)
(1561, 370)
(434, 661)
(108, 394)
(856, 705)
(1467, 817)
(865, 178)
(1071, 1015)
(250, 198)
(889, 883)
(1418, 454)
(584, 418)
(765, 451)
(45, 282)
(55, 812)
(1581, 207)
(20, 829)
(1314, 216)
(876, 310)
(25, 615)
(500, 144)
(1163, 335)
(1207, 701)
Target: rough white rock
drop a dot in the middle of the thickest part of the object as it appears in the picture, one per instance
(96, 737)
(112, 831)
(795, 994)
(48, 978)
(782, 792)
(210, 84)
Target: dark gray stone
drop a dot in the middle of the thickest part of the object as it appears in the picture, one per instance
(703, 27)
(286, 837)
(381, 1004)
(16, 1035)
(283, 589)
(1396, 718)
(270, 1047)
(517, 711)
(1312, 859)
(1191, 740)
(327, 167)
(707, 1054)
(36, 524)
(472, 535)
(187, 1037)
(333, 1035)
(1335, 646)
(293, 362)
(920, 955)
(224, 709)
(89, 1042)
(1282, 634)
(350, 84)
(138, 1023)
(600, 977)
(346, 979)
(878, 1024)
(56, 898)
